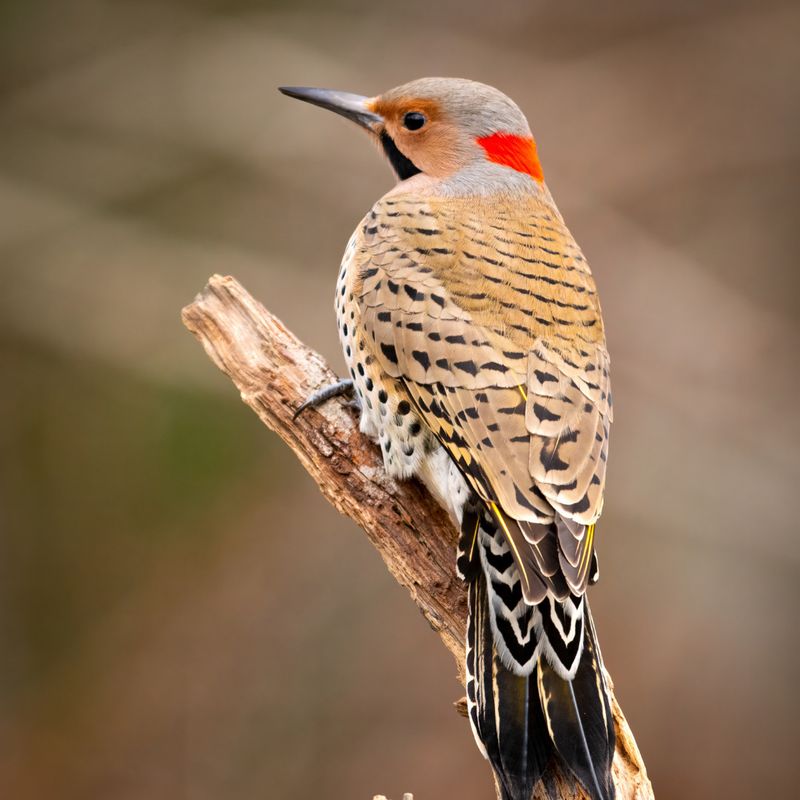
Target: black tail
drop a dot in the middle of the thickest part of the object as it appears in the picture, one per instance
(579, 716)
(504, 708)
(527, 725)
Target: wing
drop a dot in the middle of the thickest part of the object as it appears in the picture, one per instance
(489, 315)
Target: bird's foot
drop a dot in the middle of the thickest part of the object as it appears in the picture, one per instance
(326, 393)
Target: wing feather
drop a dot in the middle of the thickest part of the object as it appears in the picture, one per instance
(490, 318)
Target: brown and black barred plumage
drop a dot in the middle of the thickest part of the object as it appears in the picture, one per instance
(473, 334)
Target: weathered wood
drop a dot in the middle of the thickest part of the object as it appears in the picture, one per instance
(274, 373)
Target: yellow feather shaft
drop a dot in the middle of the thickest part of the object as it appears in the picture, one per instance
(587, 549)
(474, 537)
(501, 520)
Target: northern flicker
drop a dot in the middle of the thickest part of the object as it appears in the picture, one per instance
(472, 330)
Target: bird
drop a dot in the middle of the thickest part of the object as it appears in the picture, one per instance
(474, 338)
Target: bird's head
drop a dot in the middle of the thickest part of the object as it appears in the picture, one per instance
(438, 126)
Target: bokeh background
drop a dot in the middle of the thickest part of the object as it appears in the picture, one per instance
(181, 614)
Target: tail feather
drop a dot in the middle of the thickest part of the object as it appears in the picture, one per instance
(528, 718)
(579, 719)
(504, 708)
(591, 694)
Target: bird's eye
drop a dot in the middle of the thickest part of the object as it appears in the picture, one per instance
(414, 120)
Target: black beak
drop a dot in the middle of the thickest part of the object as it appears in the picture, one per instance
(353, 106)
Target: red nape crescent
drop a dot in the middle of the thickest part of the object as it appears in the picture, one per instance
(517, 152)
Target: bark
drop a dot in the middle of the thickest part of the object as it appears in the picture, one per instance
(274, 373)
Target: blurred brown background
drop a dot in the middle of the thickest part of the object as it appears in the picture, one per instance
(181, 614)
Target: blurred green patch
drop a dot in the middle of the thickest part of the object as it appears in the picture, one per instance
(103, 475)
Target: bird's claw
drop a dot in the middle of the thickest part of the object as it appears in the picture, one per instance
(326, 393)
